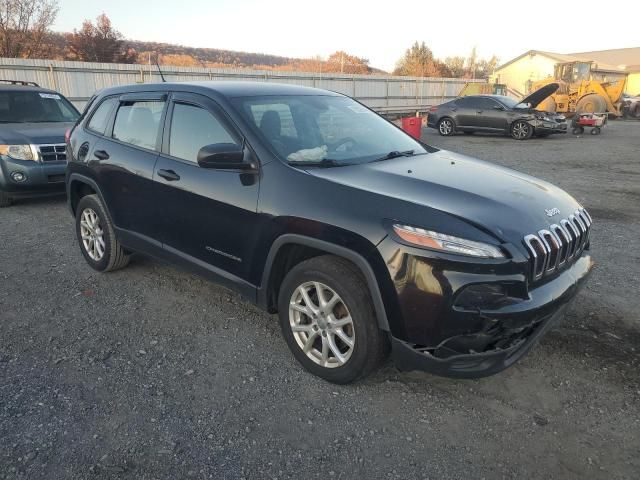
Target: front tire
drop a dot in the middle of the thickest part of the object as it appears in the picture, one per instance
(5, 200)
(446, 127)
(328, 321)
(521, 130)
(96, 236)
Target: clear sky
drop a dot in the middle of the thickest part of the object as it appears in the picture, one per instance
(378, 30)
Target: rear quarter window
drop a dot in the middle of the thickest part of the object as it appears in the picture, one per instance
(100, 118)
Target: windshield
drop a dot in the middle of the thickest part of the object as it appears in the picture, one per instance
(327, 130)
(30, 106)
(510, 102)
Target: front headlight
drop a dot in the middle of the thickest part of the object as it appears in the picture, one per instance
(19, 152)
(446, 243)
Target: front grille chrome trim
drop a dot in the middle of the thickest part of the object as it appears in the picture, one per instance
(558, 246)
(52, 152)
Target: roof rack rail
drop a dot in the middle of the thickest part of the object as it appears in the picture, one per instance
(20, 82)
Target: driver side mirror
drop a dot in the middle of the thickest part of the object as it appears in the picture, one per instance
(224, 156)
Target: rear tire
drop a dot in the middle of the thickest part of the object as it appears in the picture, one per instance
(578, 130)
(96, 236)
(521, 130)
(5, 200)
(446, 127)
(327, 302)
(591, 103)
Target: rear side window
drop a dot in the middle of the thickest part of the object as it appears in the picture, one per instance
(193, 128)
(467, 102)
(138, 123)
(100, 117)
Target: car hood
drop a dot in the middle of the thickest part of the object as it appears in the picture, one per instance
(537, 97)
(33, 133)
(506, 203)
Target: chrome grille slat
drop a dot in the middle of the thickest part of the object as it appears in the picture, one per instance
(555, 248)
(55, 152)
(564, 239)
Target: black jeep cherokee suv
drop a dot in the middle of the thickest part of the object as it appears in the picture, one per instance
(33, 122)
(312, 206)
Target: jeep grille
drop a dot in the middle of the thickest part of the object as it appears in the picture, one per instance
(560, 245)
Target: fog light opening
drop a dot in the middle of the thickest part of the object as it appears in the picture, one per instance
(18, 177)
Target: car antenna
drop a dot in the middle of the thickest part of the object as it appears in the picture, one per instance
(159, 70)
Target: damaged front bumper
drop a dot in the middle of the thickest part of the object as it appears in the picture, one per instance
(484, 341)
(549, 126)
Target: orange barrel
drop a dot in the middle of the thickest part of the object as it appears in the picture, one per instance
(413, 126)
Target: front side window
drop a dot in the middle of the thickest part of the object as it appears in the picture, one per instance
(317, 128)
(138, 123)
(486, 104)
(99, 119)
(35, 107)
(193, 128)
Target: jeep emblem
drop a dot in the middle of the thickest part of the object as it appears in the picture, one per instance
(551, 211)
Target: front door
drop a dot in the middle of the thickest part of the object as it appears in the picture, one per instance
(490, 115)
(209, 215)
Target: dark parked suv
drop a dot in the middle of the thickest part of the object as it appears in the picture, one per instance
(33, 122)
(309, 204)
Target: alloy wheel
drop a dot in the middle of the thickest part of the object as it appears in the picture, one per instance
(446, 127)
(521, 130)
(92, 234)
(321, 324)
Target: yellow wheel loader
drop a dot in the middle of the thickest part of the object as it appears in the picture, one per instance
(580, 93)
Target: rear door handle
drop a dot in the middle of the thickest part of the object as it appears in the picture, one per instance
(169, 175)
(101, 155)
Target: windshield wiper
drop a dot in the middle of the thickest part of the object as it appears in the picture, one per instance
(324, 163)
(395, 154)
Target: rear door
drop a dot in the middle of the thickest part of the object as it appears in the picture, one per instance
(465, 112)
(124, 161)
(209, 215)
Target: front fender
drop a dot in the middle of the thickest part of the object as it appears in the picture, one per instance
(362, 261)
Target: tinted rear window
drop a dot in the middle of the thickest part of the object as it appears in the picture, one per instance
(138, 123)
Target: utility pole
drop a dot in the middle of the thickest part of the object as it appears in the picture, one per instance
(341, 62)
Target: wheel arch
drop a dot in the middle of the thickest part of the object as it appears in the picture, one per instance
(304, 247)
(79, 186)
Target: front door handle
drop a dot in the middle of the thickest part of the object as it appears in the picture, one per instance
(169, 175)
(479, 111)
(101, 155)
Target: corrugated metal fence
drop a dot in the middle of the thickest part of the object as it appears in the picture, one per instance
(79, 80)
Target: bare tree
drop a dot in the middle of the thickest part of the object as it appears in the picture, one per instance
(24, 25)
(99, 43)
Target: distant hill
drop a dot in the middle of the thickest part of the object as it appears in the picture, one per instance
(180, 55)
(212, 55)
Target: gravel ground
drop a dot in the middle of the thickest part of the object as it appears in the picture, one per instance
(152, 373)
